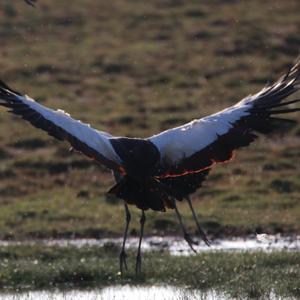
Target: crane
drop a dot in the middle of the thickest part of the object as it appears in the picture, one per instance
(156, 172)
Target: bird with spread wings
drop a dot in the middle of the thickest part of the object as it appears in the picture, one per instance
(155, 172)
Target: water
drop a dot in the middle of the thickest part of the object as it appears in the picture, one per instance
(178, 246)
(119, 293)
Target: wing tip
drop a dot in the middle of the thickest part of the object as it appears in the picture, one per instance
(293, 72)
(5, 88)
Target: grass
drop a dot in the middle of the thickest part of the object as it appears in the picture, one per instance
(241, 275)
(135, 69)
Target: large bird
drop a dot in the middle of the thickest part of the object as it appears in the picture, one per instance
(154, 172)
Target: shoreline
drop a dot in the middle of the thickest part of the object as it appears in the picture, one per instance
(176, 245)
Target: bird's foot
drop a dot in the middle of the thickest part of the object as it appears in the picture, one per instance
(123, 262)
(190, 241)
(138, 265)
(206, 240)
(204, 237)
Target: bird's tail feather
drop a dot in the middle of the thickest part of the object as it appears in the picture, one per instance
(144, 195)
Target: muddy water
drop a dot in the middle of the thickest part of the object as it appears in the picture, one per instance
(178, 246)
(118, 293)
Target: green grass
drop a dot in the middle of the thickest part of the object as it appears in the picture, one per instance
(242, 275)
(135, 69)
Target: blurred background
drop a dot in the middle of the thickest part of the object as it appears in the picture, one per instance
(135, 68)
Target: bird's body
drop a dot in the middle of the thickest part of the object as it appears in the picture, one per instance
(153, 173)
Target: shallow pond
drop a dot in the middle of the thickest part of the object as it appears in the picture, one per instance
(178, 246)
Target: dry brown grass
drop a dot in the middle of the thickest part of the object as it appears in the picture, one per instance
(134, 68)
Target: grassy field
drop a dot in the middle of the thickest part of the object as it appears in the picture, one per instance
(242, 275)
(135, 68)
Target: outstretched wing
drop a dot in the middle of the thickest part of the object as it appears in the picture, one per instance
(198, 145)
(93, 143)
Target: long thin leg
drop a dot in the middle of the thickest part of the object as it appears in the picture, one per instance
(123, 253)
(202, 233)
(122, 257)
(185, 234)
(138, 264)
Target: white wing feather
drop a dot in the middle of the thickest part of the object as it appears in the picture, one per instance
(95, 139)
(183, 141)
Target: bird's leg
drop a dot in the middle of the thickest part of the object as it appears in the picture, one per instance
(185, 234)
(138, 264)
(123, 253)
(202, 233)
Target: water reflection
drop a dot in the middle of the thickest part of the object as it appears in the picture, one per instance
(178, 246)
(118, 293)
